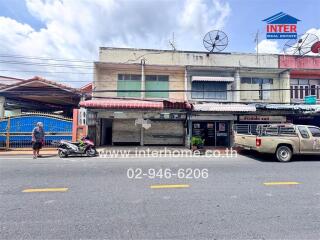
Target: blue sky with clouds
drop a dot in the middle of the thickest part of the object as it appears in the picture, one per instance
(74, 29)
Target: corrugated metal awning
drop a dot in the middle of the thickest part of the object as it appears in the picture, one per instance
(219, 107)
(121, 104)
(298, 107)
(212, 79)
(133, 104)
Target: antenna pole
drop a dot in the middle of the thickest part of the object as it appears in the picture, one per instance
(172, 43)
(257, 45)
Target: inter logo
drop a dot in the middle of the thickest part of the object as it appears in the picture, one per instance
(281, 26)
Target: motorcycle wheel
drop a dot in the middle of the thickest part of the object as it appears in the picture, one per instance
(91, 152)
(61, 154)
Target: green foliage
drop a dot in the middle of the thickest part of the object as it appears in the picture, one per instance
(197, 141)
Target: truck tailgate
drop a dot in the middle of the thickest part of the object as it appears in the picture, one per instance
(246, 141)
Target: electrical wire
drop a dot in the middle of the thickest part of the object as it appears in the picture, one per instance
(172, 90)
(45, 64)
(44, 58)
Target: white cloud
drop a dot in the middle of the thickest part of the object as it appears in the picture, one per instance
(274, 46)
(268, 46)
(76, 29)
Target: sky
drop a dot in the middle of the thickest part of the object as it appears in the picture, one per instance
(36, 33)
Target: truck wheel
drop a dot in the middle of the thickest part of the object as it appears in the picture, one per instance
(284, 154)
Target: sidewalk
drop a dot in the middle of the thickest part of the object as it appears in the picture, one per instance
(129, 149)
(28, 152)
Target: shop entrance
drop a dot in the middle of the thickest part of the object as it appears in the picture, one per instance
(215, 133)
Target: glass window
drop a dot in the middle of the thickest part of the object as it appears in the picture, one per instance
(257, 81)
(120, 76)
(129, 77)
(313, 90)
(303, 82)
(163, 78)
(135, 77)
(215, 90)
(303, 131)
(314, 131)
(151, 77)
(197, 90)
(246, 80)
(126, 77)
(209, 90)
(268, 81)
(287, 131)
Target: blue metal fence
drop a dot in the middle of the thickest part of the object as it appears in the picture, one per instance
(18, 129)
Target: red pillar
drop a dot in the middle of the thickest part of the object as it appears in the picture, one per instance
(75, 124)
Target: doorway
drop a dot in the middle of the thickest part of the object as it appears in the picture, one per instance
(215, 133)
(106, 131)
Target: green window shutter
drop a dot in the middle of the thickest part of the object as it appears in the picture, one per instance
(129, 85)
(157, 85)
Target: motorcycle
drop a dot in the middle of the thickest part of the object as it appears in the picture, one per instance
(83, 147)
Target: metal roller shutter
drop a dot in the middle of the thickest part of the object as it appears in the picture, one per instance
(164, 133)
(125, 131)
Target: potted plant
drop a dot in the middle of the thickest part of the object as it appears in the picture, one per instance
(197, 142)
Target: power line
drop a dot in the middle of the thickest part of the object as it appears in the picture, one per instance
(46, 64)
(44, 58)
(50, 72)
(173, 90)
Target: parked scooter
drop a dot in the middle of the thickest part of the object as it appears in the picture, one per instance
(83, 147)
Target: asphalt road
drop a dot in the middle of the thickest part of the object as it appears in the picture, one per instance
(94, 199)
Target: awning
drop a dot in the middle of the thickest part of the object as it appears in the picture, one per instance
(290, 107)
(223, 107)
(121, 104)
(212, 79)
(133, 104)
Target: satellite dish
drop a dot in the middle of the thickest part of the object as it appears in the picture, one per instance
(301, 46)
(215, 41)
(315, 48)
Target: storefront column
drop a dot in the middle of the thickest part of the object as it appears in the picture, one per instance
(189, 135)
(143, 80)
(141, 135)
(236, 94)
(285, 84)
(2, 103)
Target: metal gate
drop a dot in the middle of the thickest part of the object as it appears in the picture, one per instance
(15, 132)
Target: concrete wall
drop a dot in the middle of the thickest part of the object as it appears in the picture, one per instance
(306, 62)
(184, 58)
(280, 81)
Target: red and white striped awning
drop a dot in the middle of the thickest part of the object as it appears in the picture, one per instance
(121, 104)
(133, 104)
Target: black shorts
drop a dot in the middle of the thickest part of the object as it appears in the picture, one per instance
(36, 145)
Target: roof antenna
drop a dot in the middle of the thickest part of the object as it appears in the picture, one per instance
(172, 43)
(256, 40)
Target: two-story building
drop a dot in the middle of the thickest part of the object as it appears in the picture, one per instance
(304, 83)
(143, 96)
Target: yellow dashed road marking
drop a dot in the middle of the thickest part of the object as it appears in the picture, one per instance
(169, 186)
(33, 190)
(280, 183)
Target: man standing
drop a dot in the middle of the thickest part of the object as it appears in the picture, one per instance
(37, 139)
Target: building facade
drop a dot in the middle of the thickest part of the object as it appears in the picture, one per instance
(162, 97)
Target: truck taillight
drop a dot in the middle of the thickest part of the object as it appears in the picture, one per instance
(258, 142)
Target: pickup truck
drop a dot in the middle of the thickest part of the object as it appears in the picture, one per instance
(282, 140)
